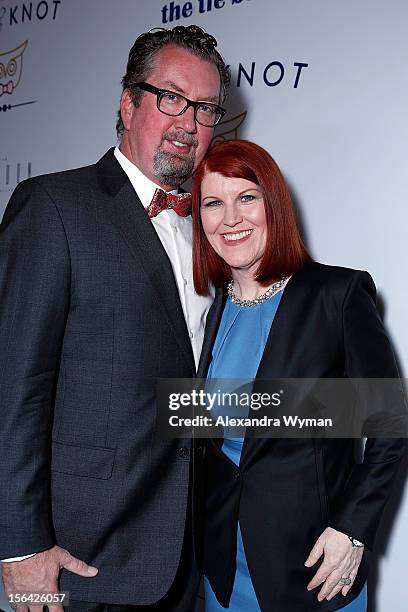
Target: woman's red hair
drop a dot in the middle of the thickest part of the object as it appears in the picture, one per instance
(285, 252)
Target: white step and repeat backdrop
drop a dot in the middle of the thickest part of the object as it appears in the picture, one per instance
(321, 84)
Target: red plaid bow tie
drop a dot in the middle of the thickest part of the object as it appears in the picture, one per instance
(161, 200)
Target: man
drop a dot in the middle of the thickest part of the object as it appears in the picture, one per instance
(96, 303)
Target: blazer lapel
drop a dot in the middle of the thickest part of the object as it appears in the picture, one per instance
(211, 328)
(279, 357)
(128, 215)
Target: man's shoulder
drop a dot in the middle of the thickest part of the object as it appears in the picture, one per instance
(68, 190)
(73, 178)
(82, 180)
(66, 181)
(65, 175)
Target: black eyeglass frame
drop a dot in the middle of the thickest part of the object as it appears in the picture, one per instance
(195, 104)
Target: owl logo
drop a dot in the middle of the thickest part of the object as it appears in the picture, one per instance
(11, 67)
(228, 130)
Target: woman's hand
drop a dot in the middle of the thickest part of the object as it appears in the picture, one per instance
(341, 560)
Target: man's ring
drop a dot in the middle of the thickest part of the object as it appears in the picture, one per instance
(345, 581)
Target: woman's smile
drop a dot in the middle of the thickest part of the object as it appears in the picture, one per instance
(234, 220)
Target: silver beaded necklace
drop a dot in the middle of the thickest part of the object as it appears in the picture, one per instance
(273, 289)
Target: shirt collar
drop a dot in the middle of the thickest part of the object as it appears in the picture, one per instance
(143, 186)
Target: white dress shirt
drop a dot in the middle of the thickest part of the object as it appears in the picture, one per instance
(175, 233)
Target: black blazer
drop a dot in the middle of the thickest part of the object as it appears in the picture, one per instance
(90, 317)
(286, 491)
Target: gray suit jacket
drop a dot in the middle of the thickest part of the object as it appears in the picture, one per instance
(90, 317)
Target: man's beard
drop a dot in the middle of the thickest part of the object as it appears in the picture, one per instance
(175, 168)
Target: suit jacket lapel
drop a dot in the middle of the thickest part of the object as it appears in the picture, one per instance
(279, 357)
(211, 328)
(128, 215)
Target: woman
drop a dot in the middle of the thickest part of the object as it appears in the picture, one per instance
(289, 522)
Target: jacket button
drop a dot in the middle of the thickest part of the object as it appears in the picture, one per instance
(183, 452)
(236, 473)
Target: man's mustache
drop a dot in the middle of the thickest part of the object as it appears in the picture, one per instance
(181, 136)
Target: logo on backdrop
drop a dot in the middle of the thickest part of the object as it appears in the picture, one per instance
(174, 11)
(11, 67)
(273, 74)
(228, 130)
(11, 70)
(26, 12)
(2, 13)
(12, 173)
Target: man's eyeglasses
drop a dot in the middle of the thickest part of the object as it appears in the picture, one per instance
(174, 104)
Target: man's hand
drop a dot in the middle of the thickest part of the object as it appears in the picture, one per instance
(341, 560)
(39, 574)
